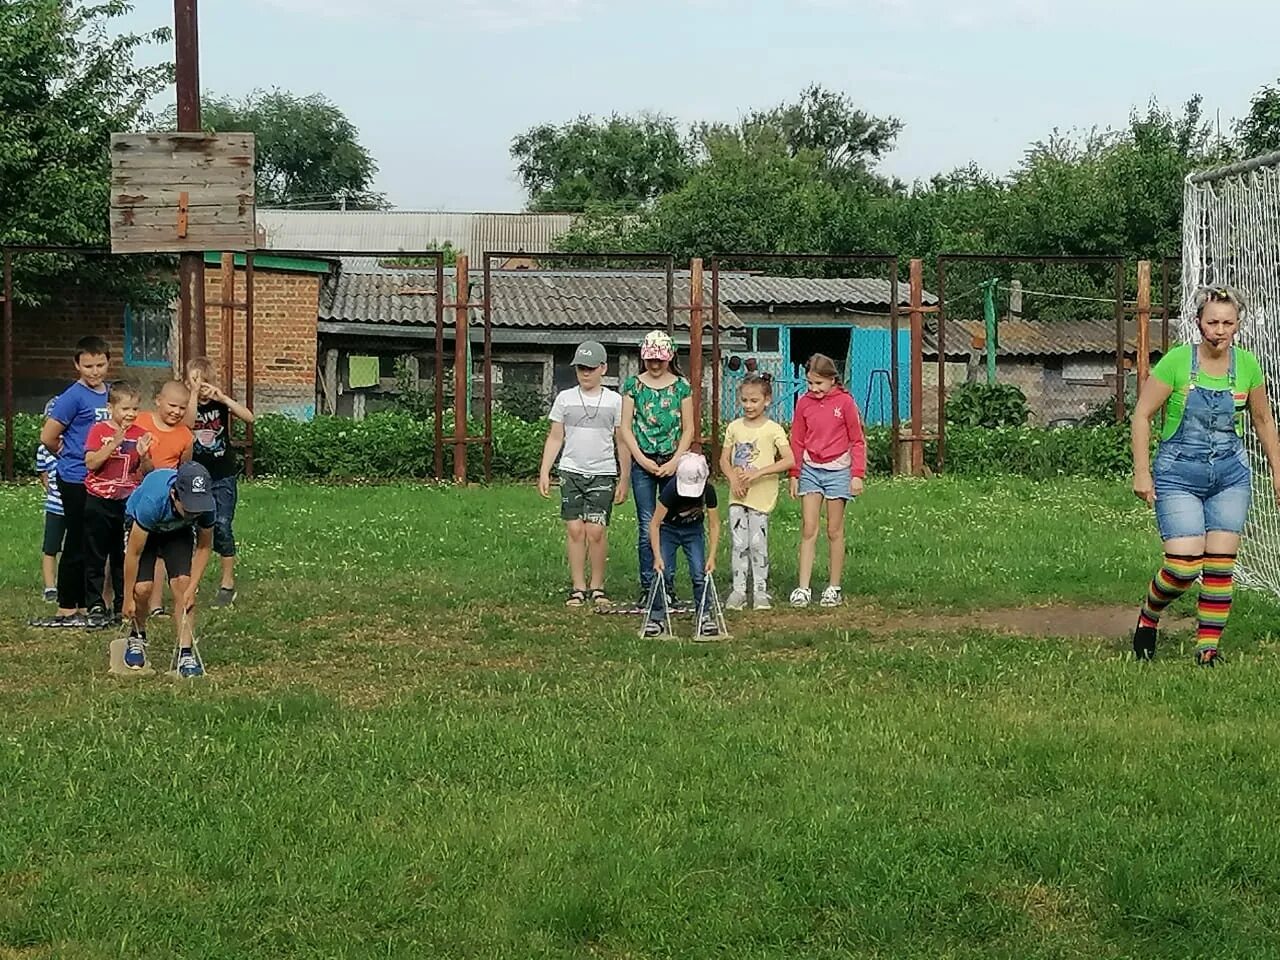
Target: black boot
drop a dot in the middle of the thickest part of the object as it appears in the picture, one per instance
(1144, 643)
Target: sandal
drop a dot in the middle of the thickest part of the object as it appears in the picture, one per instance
(599, 599)
(576, 598)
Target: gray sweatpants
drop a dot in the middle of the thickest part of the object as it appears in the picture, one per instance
(750, 531)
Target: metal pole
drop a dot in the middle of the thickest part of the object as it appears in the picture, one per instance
(248, 360)
(1143, 344)
(940, 459)
(671, 297)
(915, 273)
(695, 347)
(186, 35)
(894, 419)
(488, 373)
(1119, 298)
(8, 364)
(227, 312)
(715, 362)
(461, 369)
(439, 372)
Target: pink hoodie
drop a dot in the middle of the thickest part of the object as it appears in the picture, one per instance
(826, 428)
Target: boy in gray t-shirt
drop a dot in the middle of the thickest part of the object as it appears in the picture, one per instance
(586, 422)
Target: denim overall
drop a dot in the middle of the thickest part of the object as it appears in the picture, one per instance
(1202, 476)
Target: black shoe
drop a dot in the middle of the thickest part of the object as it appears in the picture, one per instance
(1144, 643)
(97, 619)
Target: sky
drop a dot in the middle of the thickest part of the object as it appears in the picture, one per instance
(439, 89)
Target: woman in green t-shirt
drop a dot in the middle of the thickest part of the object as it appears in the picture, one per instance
(657, 426)
(1200, 483)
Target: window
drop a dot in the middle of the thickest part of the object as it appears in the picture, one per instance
(147, 332)
(767, 340)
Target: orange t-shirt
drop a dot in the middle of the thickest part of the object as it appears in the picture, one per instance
(167, 446)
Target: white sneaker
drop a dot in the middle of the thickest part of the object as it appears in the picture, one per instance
(737, 600)
(801, 597)
(763, 602)
(832, 597)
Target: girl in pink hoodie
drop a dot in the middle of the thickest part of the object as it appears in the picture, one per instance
(830, 452)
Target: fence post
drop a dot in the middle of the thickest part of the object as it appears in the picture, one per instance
(6, 295)
(1120, 369)
(916, 279)
(1144, 321)
(461, 368)
(695, 347)
(227, 310)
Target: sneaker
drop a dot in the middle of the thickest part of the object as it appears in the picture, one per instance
(654, 628)
(188, 665)
(801, 597)
(135, 650)
(832, 597)
(737, 600)
(708, 628)
(225, 597)
(1144, 643)
(763, 601)
(1207, 657)
(51, 595)
(159, 612)
(97, 619)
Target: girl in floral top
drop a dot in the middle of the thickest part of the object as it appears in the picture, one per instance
(657, 425)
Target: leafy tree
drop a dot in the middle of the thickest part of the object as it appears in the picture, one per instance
(67, 82)
(1259, 131)
(843, 140)
(308, 152)
(621, 162)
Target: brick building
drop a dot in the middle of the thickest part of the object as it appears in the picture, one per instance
(144, 340)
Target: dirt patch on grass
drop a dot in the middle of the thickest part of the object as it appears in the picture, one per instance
(1101, 621)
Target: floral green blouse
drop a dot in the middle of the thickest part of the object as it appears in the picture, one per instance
(657, 423)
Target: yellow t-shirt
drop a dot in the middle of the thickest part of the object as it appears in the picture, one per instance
(757, 447)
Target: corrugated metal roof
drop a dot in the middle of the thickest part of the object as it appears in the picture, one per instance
(363, 292)
(1048, 338)
(383, 230)
(742, 289)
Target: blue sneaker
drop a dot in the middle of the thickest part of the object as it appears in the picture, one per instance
(135, 651)
(188, 665)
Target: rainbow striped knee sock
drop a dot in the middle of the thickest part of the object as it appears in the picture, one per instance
(1215, 598)
(1171, 581)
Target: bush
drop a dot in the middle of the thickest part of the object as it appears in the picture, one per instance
(987, 405)
(395, 445)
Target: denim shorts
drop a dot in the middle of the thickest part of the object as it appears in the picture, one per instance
(1195, 495)
(832, 484)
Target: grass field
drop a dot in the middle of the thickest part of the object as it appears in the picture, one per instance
(407, 748)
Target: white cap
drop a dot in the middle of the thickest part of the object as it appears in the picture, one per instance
(691, 475)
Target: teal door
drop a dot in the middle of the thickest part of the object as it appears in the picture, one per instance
(868, 365)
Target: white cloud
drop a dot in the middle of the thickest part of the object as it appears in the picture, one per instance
(485, 14)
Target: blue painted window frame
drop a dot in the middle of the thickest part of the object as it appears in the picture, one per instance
(130, 342)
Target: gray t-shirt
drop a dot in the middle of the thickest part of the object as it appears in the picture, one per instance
(589, 424)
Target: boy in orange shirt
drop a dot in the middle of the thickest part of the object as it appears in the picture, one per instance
(172, 443)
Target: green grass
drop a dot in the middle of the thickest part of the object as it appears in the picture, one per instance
(407, 748)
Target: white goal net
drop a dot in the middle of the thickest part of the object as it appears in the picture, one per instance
(1231, 236)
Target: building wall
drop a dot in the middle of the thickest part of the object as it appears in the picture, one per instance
(44, 339)
(285, 308)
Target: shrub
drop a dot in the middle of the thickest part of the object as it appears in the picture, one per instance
(395, 445)
(987, 405)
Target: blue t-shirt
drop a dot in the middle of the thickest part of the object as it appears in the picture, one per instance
(46, 462)
(77, 408)
(151, 507)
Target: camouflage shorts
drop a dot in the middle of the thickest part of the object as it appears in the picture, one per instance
(589, 499)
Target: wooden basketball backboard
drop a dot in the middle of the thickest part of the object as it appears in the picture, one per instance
(182, 192)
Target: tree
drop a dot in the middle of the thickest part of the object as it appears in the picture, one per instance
(308, 152)
(1259, 131)
(827, 126)
(66, 84)
(621, 162)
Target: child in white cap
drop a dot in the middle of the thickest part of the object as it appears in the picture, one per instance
(677, 525)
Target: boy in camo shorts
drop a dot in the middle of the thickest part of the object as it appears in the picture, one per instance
(586, 423)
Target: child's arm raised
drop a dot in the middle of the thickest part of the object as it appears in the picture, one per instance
(234, 406)
(101, 443)
(555, 440)
(193, 403)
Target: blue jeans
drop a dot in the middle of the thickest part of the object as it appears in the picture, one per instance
(644, 487)
(1197, 494)
(672, 539)
(224, 511)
